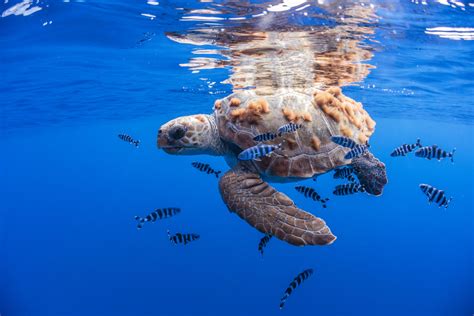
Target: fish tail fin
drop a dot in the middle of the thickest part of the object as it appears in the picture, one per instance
(140, 221)
(447, 202)
(136, 143)
(418, 143)
(451, 155)
(217, 173)
(283, 301)
(280, 145)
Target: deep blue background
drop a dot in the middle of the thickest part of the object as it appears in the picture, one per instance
(70, 188)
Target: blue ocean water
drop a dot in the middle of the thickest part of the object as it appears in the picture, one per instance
(74, 74)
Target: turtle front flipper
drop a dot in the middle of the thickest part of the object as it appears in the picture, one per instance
(270, 211)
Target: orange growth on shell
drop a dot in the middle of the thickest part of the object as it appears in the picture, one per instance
(349, 114)
(307, 117)
(322, 98)
(254, 106)
(346, 130)
(363, 139)
(370, 123)
(237, 113)
(234, 102)
(200, 118)
(289, 114)
(315, 142)
(264, 105)
(335, 91)
(217, 104)
(333, 113)
(251, 114)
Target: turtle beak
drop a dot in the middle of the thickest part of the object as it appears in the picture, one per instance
(161, 141)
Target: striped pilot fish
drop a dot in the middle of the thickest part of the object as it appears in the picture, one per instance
(289, 128)
(160, 213)
(435, 195)
(263, 243)
(343, 173)
(311, 193)
(265, 137)
(434, 151)
(129, 139)
(260, 150)
(180, 238)
(348, 188)
(351, 178)
(356, 151)
(343, 141)
(205, 167)
(404, 149)
(294, 284)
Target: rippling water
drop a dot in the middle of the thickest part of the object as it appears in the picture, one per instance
(76, 61)
(74, 74)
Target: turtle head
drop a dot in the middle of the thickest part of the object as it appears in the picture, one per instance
(188, 135)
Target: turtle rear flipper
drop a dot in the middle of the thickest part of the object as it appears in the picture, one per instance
(371, 173)
(270, 211)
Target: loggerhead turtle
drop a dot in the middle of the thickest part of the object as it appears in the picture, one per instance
(306, 153)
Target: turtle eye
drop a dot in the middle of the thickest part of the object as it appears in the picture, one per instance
(177, 132)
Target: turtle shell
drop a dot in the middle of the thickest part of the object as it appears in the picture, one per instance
(305, 153)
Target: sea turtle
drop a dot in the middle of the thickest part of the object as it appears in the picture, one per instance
(306, 153)
(280, 72)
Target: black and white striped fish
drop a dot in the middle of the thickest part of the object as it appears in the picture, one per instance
(435, 195)
(180, 238)
(265, 137)
(260, 150)
(351, 178)
(311, 193)
(356, 151)
(343, 173)
(343, 141)
(289, 128)
(294, 284)
(434, 151)
(348, 188)
(205, 167)
(129, 139)
(404, 149)
(263, 243)
(160, 213)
